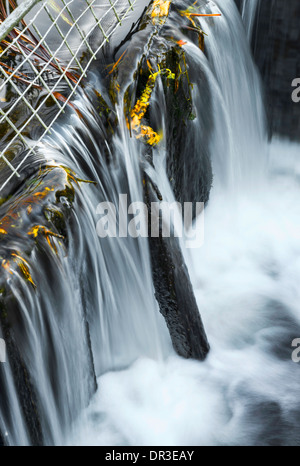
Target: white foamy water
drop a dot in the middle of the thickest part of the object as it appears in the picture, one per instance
(246, 278)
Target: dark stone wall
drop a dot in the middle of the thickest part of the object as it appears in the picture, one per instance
(276, 49)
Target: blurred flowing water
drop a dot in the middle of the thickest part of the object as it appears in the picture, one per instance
(246, 279)
(106, 282)
(249, 11)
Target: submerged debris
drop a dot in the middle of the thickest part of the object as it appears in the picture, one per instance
(27, 44)
(192, 12)
(156, 51)
(39, 212)
(159, 9)
(24, 268)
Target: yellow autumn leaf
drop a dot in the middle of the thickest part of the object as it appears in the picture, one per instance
(138, 112)
(160, 8)
(24, 267)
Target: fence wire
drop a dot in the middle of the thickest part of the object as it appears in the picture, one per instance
(46, 48)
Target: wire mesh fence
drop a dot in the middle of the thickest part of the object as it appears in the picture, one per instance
(46, 48)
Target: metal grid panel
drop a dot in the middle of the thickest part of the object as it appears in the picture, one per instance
(52, 49)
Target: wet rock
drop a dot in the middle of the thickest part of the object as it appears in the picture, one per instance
(174, 292)
(275, 45)
(23, 383)
(180, 91)
(188, 132)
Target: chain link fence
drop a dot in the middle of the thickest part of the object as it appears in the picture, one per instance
(46, 48)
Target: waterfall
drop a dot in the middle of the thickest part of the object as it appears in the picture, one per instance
(239, 144)
(96, 354)
(118, 301)
(245, 277)
(249, 10)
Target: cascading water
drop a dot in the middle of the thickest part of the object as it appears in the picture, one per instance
(245, 278)
(238, 143)
(118, 300)
(249, 9)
